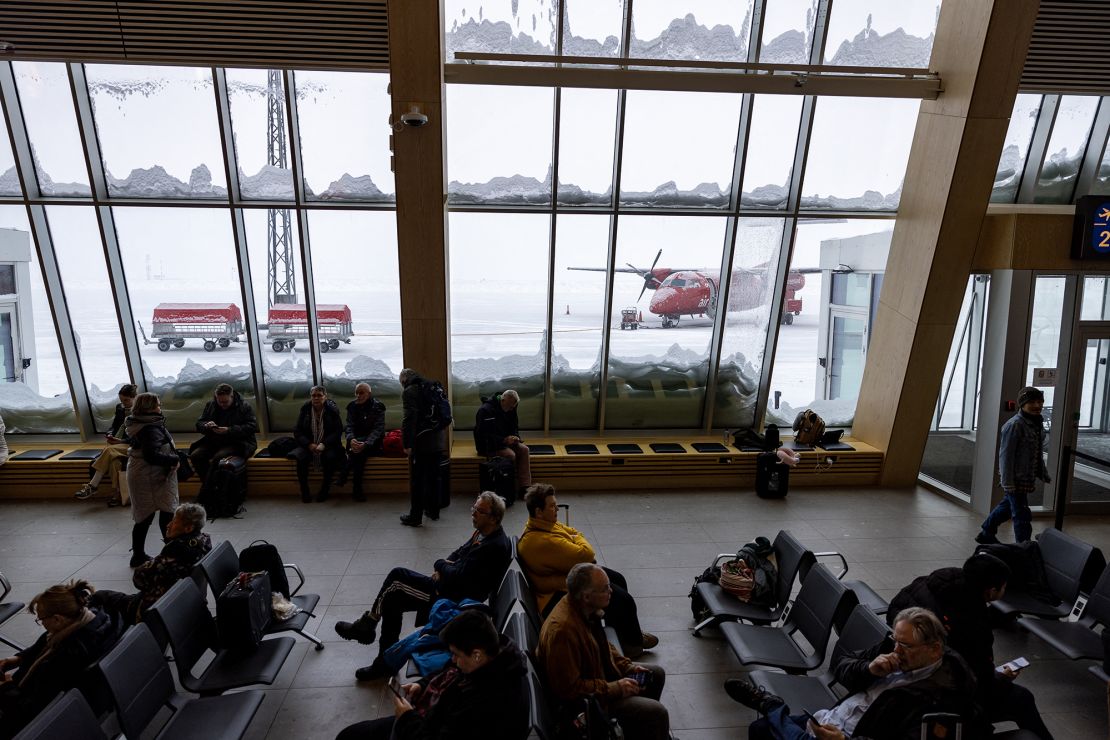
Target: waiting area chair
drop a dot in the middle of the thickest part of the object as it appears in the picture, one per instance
(519, 629)
(822, 602)
(1077, 640)
(69, 717)
(221, 565)
(1068, 561)
(191, 630)
(8, 610)
(514, 589)
(140, 683)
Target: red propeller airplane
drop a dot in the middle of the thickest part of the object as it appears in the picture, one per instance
(694, 291)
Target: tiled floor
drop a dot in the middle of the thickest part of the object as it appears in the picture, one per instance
(660, 541)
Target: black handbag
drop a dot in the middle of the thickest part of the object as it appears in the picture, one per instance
(184, 467)
(244, 610)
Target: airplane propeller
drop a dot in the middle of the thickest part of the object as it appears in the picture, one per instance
(649, 276)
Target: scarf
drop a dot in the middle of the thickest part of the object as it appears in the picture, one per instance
(53, 640)
(317, 428)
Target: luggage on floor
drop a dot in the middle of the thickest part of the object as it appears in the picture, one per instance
(498, 475)
(225, 490)
(261, 555)
(772, 478)
(243, 611)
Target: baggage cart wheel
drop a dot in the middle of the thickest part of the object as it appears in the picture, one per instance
(292, 343)
(324, 346)
(278, 346)
(333, 343)
(164, 345)
(179, 343)
(209, 345)
(224, 342)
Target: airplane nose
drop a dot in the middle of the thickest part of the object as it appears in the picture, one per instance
(661, 301)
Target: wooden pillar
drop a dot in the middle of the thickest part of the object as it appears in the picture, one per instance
(416, 79)
(979, 52)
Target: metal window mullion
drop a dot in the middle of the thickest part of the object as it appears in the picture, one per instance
(611, 260)
(1038, 148)
(1096, 145)
(974, 356)
(296, 163)
(550, 321)
(86, 126)
(626, 31)
(21, 144)
(227, 135)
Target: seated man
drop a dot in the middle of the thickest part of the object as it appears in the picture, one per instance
(472, 571)
(893, 685)
(319, 435)
(548, 550)
(497, 434)
(111, 461)
(227, 426)
(364, 432)
(185, 545)
(960, 598)
(579, 662)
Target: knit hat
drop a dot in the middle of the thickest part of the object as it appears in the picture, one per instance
(986, 571)
(1029, 393)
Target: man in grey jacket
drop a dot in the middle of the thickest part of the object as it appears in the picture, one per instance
(1020, 464)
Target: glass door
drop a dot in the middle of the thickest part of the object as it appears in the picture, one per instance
(11, 363)
(1088, 427)
(847, 354)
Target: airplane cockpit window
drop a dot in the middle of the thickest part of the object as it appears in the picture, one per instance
(675, 283)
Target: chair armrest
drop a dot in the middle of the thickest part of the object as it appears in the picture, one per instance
(723, 556)
(300, 574)
(834, 554)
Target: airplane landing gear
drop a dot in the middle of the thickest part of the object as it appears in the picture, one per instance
(670, 322)
(788, 319)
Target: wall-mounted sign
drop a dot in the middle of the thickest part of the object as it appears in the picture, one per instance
(1091, 229)
(1044, 377)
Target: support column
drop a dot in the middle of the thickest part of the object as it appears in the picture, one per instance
(979, 52)
(420, 172)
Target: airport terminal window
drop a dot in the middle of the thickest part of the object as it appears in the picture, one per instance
(663, 164)
(754, 275)
(251, 94)
(354, 271)
(587, 128)
(499, 26)
(343, 119)
(1066, 147)
(499, 302)
(499, 164)
(858, 153)
(183, 283)
(47, 104)
(658, 373)
(9, 178)
(770, 161)
(715, 30)
(158, 131)
(1096, 298)
(578, 319)
(34, 392)
(874, 33)
(76, 236)
(1016, 148)
(592, 29)
(787, 32)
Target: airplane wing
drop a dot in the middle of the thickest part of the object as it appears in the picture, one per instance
(603, 269)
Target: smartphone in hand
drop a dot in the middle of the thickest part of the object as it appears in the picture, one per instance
(395, 687)
(1014, 665)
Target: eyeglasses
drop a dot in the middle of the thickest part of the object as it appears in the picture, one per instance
(476, 510)
(908, 646)
(38, 620)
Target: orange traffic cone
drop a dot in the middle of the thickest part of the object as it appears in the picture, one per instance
(641, 319)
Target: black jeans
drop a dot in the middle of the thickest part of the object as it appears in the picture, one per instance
(330, 460)
(429, 473)
(356, 464)
(1009, 701)
(404, 590)
(208, 453)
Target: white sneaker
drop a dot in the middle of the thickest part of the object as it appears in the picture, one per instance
(84, 492)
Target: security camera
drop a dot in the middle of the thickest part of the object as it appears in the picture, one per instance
(414, 118)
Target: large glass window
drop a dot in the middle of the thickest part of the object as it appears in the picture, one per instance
(44, 96)
(499, 164)
(257, 101)
(158, 131)
(498, 311)
(1044, 347)
(663, 164)
(353, 109)
(787, 31)
(1016, 148)
(1066, 146)
(354, 264)
(183, 282)
(772, 140)
(34, 390)
(587, 130)
(693, 29)
(591, 28)
(872, 33)
(858, 153)
(658, 373)
(501, 26)
(76, 236)
(9, 178)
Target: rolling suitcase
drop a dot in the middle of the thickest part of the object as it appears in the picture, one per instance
(772, 479)
(225, 490)
(243, 611)
(498, 475)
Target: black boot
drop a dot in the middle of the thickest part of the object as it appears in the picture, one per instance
(364, 629)
(325, 491)
(376, 670)
(358, 495)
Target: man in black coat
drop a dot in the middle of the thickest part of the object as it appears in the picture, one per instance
(426, 447)
(892, 686)
(364, 432)
(497, 434)
(960, 598)
(319, 435)
(472, 571)
(227, 428)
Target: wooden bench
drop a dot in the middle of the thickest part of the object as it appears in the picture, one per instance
(605, 470)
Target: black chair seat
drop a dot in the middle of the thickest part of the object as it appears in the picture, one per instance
(756, 644)
(296, 623)
(1023, 603)
(68, 717)
(1074, 640)
(233, 669)
(799, 692)
(10, 609)
(725, 606)
(1098, 672)
(867, 596)
(217, 716)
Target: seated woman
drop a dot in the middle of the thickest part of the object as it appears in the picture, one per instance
(481, 694)
(185, 545)
(111, 461)
(76, 636)
(319, 435)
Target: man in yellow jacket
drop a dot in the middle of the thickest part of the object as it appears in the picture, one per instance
(548, 550)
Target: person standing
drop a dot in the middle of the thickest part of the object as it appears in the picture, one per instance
(426, 447)
(227, 426)
(364, 432)
(319, 435)
(110, 462)
(151, 472)
(1020, 464)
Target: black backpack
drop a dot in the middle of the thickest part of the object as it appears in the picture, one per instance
(261, 555)
(225, 490)
(435, 406)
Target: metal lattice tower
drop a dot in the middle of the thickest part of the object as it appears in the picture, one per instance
(282, 286)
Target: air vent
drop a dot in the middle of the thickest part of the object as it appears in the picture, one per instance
(1068, 52)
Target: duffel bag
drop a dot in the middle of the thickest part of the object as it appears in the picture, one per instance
(243, 611)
